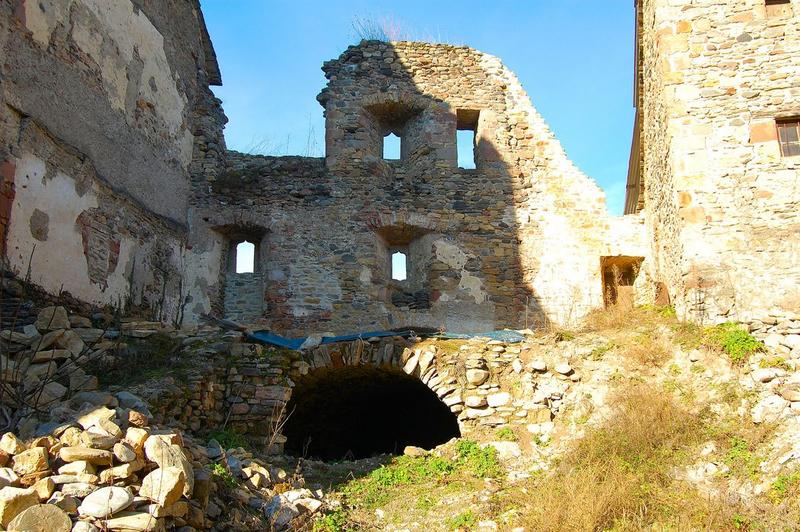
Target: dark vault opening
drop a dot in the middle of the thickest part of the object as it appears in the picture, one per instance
(357, 412)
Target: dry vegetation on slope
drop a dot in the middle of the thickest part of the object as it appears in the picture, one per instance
(667, 442)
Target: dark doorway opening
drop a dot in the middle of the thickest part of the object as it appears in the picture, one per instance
(357, 412)
(619, 276)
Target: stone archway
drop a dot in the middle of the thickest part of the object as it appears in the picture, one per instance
(419, 362)
(396, 391)
(361, 411)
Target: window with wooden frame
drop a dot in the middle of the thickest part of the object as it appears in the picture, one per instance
(789, 136)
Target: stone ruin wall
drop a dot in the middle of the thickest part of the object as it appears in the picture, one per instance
(485, 384)
(525, 226)
(720, 200)
(104, 112)
(149, 214)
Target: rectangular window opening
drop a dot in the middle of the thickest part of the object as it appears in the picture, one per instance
(399, 265)
(245, 257)
(466, 137)
(789, 136)
(778, 8)
(392, 147)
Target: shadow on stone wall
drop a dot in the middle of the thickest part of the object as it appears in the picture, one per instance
(330, 230)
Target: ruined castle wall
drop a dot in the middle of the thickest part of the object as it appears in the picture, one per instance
(663, 220)
(718, 75)
(101, 108)
(516, 241)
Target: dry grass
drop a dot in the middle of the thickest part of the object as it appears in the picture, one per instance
(648, 350)
(618, 475)
(620, 317)
(621, 476)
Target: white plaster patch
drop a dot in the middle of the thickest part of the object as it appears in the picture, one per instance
(202, 270)
(450, 254)
(42, 16)
(60, 262)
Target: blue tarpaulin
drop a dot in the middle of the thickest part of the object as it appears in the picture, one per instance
(266, 337)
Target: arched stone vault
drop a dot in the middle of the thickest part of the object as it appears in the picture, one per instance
(419, 362)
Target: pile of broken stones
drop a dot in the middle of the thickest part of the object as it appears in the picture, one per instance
(108, 470)
(98, 462)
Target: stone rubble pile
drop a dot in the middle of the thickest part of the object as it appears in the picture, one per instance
(45, 361)
(102, 469)
(107, 469)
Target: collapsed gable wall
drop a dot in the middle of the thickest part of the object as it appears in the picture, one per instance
(516, 241)
(105, 109)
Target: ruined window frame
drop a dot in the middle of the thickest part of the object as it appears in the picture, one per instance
(789, 147)
(400, 141)
(405, 252)
(467, 120)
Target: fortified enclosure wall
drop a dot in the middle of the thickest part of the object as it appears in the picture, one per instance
(720, 198)
(516, 241)
(105, 111)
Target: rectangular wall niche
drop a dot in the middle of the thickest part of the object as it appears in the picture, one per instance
(466, 135)
(778, 8)
(789, 136)
(619, 276)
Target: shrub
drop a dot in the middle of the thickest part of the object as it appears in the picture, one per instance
(506, 434)
(739, 459)
(226, 477)
(332, 522)
(481, 462)
(784, 485)
(229, 439)
(466, 520)
(734, 341)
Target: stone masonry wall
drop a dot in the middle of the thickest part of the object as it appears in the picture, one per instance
(486, 384)
(720, 199)
(104, 111)
(244, 296)
(515, 242)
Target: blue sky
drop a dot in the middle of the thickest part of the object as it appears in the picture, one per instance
(574, 58)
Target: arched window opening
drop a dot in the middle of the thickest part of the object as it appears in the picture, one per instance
(392, 147)
(399, 266)
(245, 257)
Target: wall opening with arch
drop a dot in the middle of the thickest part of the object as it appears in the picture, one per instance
(357, 412)
(243, 293)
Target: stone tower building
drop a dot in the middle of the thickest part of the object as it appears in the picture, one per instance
(715, 163)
